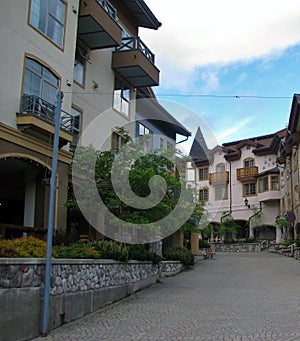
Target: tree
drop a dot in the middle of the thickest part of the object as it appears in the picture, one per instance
(122, 181)
(227, 226)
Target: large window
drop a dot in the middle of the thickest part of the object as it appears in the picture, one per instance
(48, 16)
(249, 189)
(203, 173)
(263, 184)
(40, 81)
(203, 194)
(121, 97)
(221, 193)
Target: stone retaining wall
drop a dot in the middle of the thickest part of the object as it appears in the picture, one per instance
(245, 247)
(78, 287)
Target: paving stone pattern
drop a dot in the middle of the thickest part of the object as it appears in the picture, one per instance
(238, 297)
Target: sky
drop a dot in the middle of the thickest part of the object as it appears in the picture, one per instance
(233, 63)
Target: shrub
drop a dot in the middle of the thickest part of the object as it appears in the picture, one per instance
(29, 247)
(138, 252)
(288, 242)
(111, 250)
(203, 244)
(79, 251)
(178, 253)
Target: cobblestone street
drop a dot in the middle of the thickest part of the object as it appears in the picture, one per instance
(253, 296)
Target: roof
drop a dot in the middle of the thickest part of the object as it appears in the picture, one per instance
(266, 144)
(142, 13)
(150, 109)
(199, 151)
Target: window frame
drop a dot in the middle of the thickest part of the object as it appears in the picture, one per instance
(220, 165)
(249, 159)
(80, 114)
(203, 169)
(44, 66)
(272, 182)
(249, 194)
(121, 141)
(204, 192)
(223, 195)
(44, 34)
(120, 94)
(263, 184)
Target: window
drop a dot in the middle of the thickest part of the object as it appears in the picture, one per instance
(40, 81)
(274, 182)
(203, 173)
(249, 189)
(220, 168)
(121, 98)
(143, 130)
(161, 143)
(263, 184)
(203, 194)
(48, 16)
(221, 193)
(117, 142)
(248, 163)
(76, 124)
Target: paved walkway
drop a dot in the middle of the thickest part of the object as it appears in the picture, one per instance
(253, 296)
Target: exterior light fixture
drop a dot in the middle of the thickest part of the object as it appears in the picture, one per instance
(247, 203)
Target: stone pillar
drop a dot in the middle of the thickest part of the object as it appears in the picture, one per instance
(251, 231)
(156, 247)
(177, 238)
(279, 235)
(195, 243)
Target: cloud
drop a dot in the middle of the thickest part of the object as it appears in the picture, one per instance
(231, 131)
(197, 33)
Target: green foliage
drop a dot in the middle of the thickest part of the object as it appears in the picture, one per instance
(178, 253)
(251, 240)
(63, 237)
(112, 250)
(227, 225)
(138, 252)
(288, 241)
(77, 251)
(203, 244)
(281, 221)
(29, 247)
(297, 241)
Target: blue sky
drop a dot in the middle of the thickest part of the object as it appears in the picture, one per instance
(232, 49)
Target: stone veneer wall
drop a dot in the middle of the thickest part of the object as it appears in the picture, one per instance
(77, 287)
(245, 247)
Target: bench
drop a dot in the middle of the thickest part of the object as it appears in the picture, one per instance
(207, 253)
(210, 253)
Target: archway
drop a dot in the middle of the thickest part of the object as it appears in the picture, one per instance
(24, 193)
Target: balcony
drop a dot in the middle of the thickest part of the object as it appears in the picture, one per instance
(36, 117)
(218, 178)
(248, 173)
(135, 63)
(97, 24)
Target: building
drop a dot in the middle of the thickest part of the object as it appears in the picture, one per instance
(240, 179)
(288, 160)
(91, 51)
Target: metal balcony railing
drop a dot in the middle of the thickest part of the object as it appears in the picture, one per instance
(136, 43)
(38, 107)
(109, 8)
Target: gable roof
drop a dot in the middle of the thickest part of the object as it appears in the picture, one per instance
(199, 151)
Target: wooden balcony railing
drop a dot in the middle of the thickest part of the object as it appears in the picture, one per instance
(219, 177)
(246, 172)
